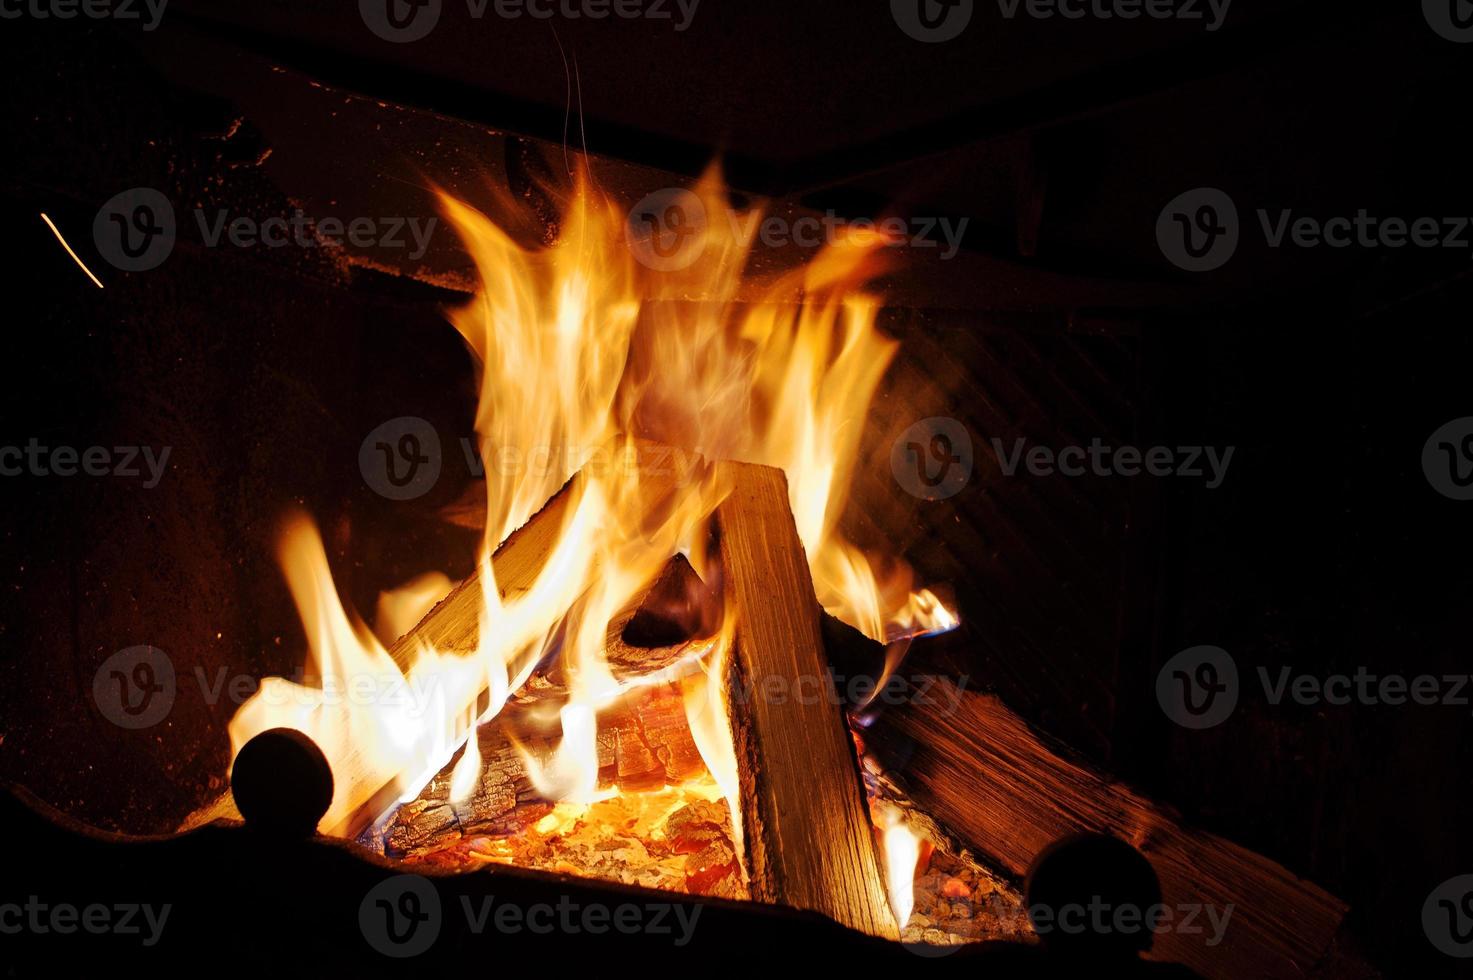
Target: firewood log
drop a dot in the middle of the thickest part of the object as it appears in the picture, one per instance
(1005, 790)
(807, 834)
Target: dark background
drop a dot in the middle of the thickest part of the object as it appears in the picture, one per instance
(1326, 548)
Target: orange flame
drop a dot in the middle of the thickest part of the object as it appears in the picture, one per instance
(580, 349)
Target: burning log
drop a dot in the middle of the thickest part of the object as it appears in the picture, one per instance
(807, 834)
(985, 774)
(644, 743)
(452, 626)
(369, 785)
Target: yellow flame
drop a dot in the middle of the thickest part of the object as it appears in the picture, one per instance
(401, 609)
(580, 350)
(705, 694)
(466, 775)
(902, 848)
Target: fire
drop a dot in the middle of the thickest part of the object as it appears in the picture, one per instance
(581, 350)
(400, 609)
(902, 850)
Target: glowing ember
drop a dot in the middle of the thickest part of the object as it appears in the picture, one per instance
(675, 839)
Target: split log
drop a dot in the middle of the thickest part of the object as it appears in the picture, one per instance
(806, 829)
(985, 774)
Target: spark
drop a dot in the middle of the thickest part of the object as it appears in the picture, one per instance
(57, 232)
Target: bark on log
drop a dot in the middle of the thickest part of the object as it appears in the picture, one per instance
(806, 828)
(985, 774)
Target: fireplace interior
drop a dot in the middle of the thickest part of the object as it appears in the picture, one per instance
(1003, 693)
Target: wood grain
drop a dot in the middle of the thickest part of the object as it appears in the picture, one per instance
(985, 774)
(808, 839)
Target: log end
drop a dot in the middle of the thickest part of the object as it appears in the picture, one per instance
(282, 783)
